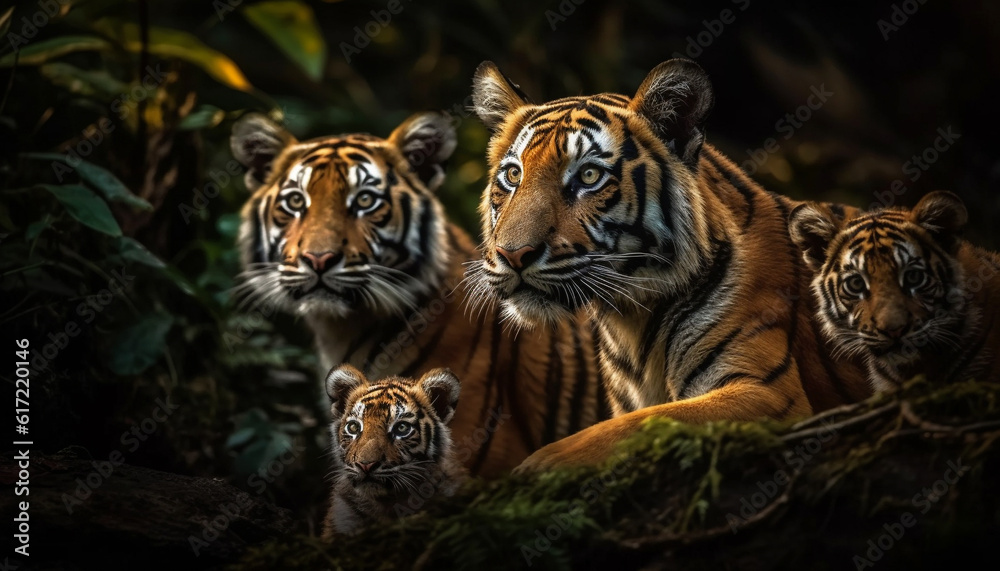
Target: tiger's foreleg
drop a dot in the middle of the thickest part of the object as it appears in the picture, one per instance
(739, 400)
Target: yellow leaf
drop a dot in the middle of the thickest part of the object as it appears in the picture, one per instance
(169, 43)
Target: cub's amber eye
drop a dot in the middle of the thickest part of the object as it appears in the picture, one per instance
(365, 199)
(402, 429)
(352, 427)
(296, 201)
(914, 277)
(855, 285)
(512, 174)
(590, 174)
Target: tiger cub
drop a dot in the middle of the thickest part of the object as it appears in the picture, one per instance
(902, 290)
(391, 445)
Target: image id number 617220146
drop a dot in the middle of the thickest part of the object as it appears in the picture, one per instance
(22, 444)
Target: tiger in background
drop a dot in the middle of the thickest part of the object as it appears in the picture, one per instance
(701, 299)
(902, 290)
(391, 446)
(347, 232)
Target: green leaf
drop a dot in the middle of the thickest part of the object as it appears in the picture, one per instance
(101, 179)
(36, 228)
(38, 53)
(134, 251)
(203, 117)
(229, 225)
(292, 27)
(86, 207)
(84, 82)
(138, 347)
(169, 43)
(5, 21)
(240, 437)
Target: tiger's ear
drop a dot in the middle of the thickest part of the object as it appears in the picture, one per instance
(676, 98)
(812, 227)
(494, 96)
(340, 383)
(427, 140)
(255, 141)
(442, 388)
(944, 215)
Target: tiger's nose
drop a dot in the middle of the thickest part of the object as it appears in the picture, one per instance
(895, 332)
(521, 257)
(367, 467)
(317, 261)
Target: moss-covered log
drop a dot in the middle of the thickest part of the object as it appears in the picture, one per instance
(901, 480)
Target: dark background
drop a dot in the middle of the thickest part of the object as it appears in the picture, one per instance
(245, 383)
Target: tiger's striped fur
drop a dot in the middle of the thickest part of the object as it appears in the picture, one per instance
(391, 446)
(388, 297)
(700, 297)
(903, 291)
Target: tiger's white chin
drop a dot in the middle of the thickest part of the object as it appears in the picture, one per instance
(326, 305)
(530, 311)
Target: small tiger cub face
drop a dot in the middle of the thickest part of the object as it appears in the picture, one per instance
(388, 438)
(345, 222)
(887, 282)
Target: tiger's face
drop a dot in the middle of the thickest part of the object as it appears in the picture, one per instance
(589, 198)
(887, 282)
(388, 434)
(343, 223)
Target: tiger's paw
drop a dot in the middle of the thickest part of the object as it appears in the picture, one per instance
(585, 448)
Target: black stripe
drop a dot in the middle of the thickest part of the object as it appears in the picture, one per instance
(739, 181)
(258, 234)
(598, 112)
(425, 352)
(474, 346)
(521, 421)
(707, 284)
(491, 385)
(553, 388)
(706, 362)
(426, 218)
(788, 406)
(836, 381)
(582, 382)
(601, 390)
(776, 372)
(653, 326)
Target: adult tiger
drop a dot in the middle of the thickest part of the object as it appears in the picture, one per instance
(700, 297)
(902, 290)
(347, 232)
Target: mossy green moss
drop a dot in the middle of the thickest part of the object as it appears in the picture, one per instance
(674, 485)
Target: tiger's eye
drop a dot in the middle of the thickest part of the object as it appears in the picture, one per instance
(513, 175)
(296, 201)
(365, 200)
(855, 285)
(914, 278)
(590, 175)
(402, 429)
(353, 427)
